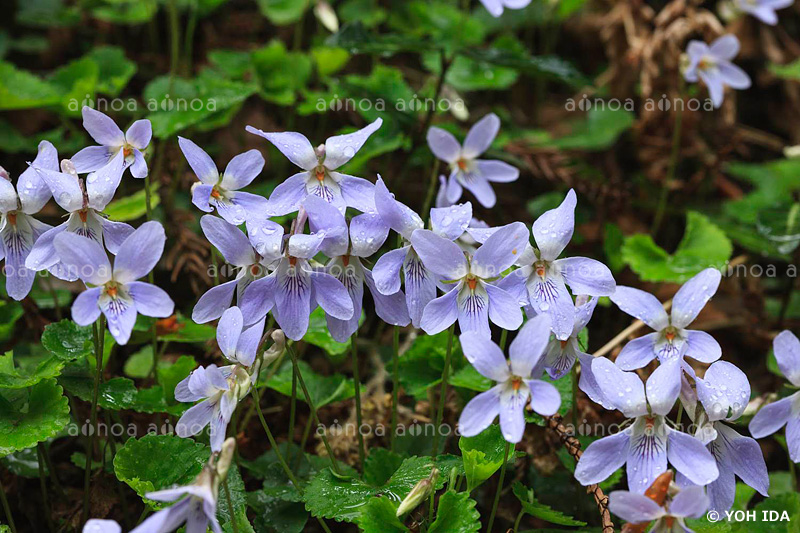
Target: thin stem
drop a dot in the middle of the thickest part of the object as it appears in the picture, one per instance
(575, 398)
(357, 383)
(680, 414)
(99, 333)
(395, 382)
(432, 182)
(148, 205)
(174, 41)
(443, 391)
(303, 442)
(188, 38)
(792, 471)
(518, 520)
(54, 295)
(503, 339)
(313, 408)
(673, 163)
(230, 505)
(499, 487)
(53, 477)
(292, 417)
(274, 444)
(7, 509)
(43, 485)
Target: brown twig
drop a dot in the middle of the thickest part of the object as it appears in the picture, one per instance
(573, 447)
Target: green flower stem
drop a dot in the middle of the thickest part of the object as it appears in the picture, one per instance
(575, 398)
(7, 509)
(518, 520)
(673, 163)
(313, 408)
(99, 336)
(278, 454)
(499, 486)
(357, 383)
(54, 295)
(43, 485)
(292, 417)
(395, 382)
(503, 339)
(443, 391)
(303, 442)
(230, 505)
(792, 470)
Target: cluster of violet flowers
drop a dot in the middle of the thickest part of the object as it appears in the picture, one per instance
(450, 269)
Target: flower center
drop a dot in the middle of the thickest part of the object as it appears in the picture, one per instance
(472, 282)
(516, 383)
(216, 194)
(84, 215)
(127, 151)
(541, 269)
(706, 63)
(112, 290)
(12, 218)
(462, 164)
(563, 344)
(292, 261)
(670, 333)
(346, 260)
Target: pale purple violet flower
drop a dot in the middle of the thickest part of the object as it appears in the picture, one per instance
(712, 64)
(637, 508)
(420, 281)
(786, 411)
(221, 389)
(763, 10)
(19, 231)
(543, 278)
(319, 176)
(723, 393)
(466, 170)
(96, 525)
(474, 300)
(238, 342)
(221, 191)
(295, 287)
(516, 381)
(495, 7)
(112, 142)
(115, 292)
(255, 254)
(671, 338)
(367, 233)
(83, 200)
(649, 443)
(198, 509)
(561, 355)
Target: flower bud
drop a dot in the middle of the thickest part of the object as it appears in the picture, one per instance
(68, 167)
(327, 16)
(226, 457)
(418, 494)
(277, 348)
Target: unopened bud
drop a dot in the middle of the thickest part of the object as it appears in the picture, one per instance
(242, 382)
(327, 16)
(791, 152)
(277, 348)
(684, 63)
(418, 494)
(68, 167)
(226, 457)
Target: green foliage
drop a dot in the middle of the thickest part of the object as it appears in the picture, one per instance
(421, 366)
(135, 466)
(67, 340)
(379, 515)
(133, 207)
(283, 12)
(379, 466)
(456, 513)
(41, 413)
(483, 455)
(539, 510)
(22, 90)
(280, 73)
(322, 389)
(703, 245)
(598, 131)
(15, 378)
(205, 102)
(343, 498)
